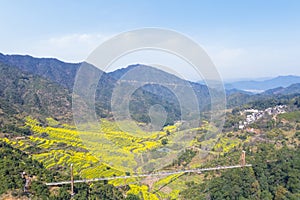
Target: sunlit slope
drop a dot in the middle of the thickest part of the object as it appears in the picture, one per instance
(58, 145)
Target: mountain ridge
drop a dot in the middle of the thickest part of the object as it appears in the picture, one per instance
(64, 74)
(291, 89)
(260, 86)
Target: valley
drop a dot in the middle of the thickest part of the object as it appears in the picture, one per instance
(38, 136)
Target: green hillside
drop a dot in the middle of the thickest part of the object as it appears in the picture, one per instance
(273, 153)
(22, 94)
(14, 162)
(37, 135)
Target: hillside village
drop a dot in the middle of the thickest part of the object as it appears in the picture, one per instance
(253, 115)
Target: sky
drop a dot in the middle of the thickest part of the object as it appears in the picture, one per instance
(244, 39)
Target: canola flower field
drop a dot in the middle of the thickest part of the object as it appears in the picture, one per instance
(58, 146)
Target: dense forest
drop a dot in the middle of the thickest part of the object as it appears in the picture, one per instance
(275, 175)
(13, 163)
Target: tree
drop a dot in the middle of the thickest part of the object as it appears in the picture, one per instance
(132, 197)
(280, 193)
(164, 141)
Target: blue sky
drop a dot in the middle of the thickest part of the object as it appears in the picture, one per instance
(245, 39)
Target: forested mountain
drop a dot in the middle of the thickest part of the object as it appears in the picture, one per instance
(22, 74)
(23, 94)
(43, 87)
(238, 98)
(49, 68)
(149, 93)
(291, 89)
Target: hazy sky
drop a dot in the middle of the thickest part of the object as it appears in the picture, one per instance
(245, 39)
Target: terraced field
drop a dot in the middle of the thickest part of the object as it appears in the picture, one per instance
(115, 153)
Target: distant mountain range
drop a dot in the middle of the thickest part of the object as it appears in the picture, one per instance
(239, 97)
(42, 87)
(261, 86)
(292, 89)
